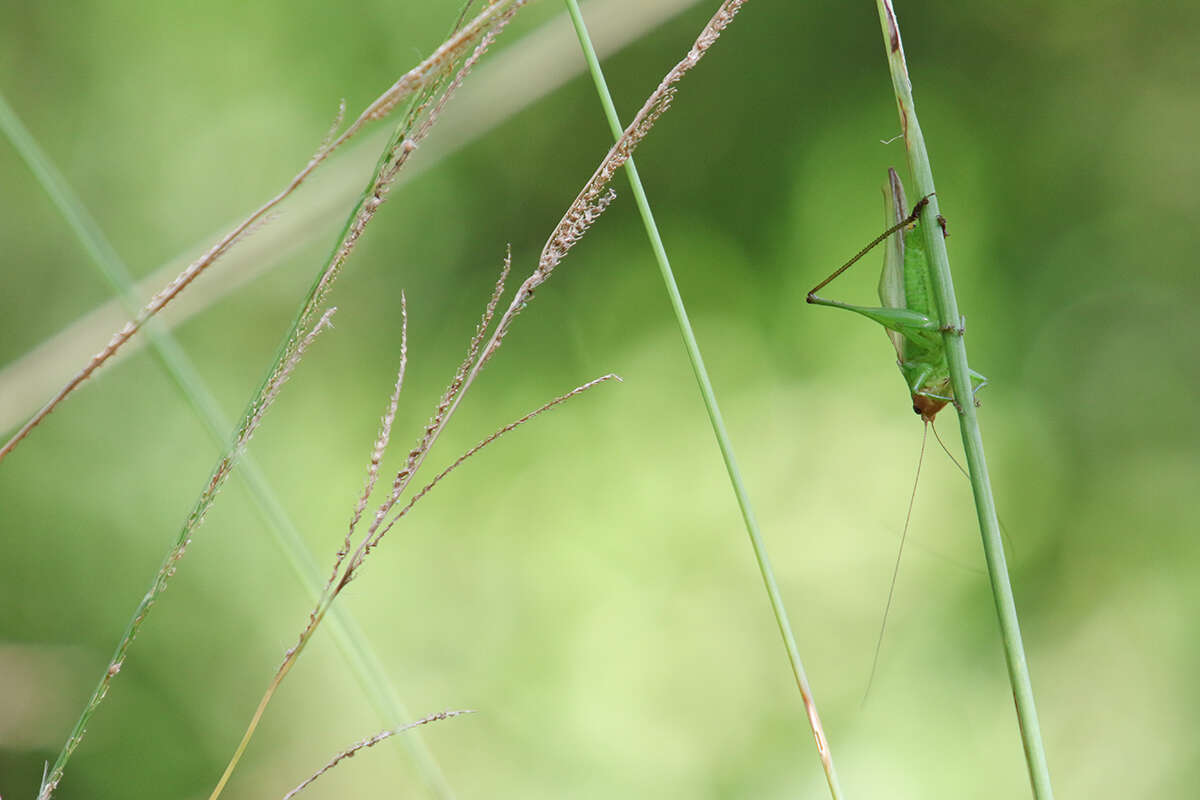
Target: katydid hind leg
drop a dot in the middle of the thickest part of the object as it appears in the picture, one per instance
(901, 320)
(911, 218)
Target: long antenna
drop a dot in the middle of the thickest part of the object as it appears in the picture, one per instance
(896, 569)
(949, 455)
(1008, 540)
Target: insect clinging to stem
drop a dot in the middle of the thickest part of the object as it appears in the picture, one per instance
(908, 311)
(910, 316)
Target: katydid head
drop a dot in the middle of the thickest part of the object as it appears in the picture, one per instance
(927, 407)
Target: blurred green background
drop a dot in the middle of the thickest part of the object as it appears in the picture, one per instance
(586, 584)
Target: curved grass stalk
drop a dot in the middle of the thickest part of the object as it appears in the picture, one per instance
(960, 375)
(725, 14)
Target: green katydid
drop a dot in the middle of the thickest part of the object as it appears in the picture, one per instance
(908, 312)
(914, 326)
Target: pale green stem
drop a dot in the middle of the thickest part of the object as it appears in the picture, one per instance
(956, 356)
(714, 412)
(351, 641)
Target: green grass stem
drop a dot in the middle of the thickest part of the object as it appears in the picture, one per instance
(956, 354)
(710, 404)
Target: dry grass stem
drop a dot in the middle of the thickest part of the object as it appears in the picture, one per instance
(371, 742)
(432, 69)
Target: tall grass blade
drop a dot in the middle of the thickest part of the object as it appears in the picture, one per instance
(722, 18)
(956, 355)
